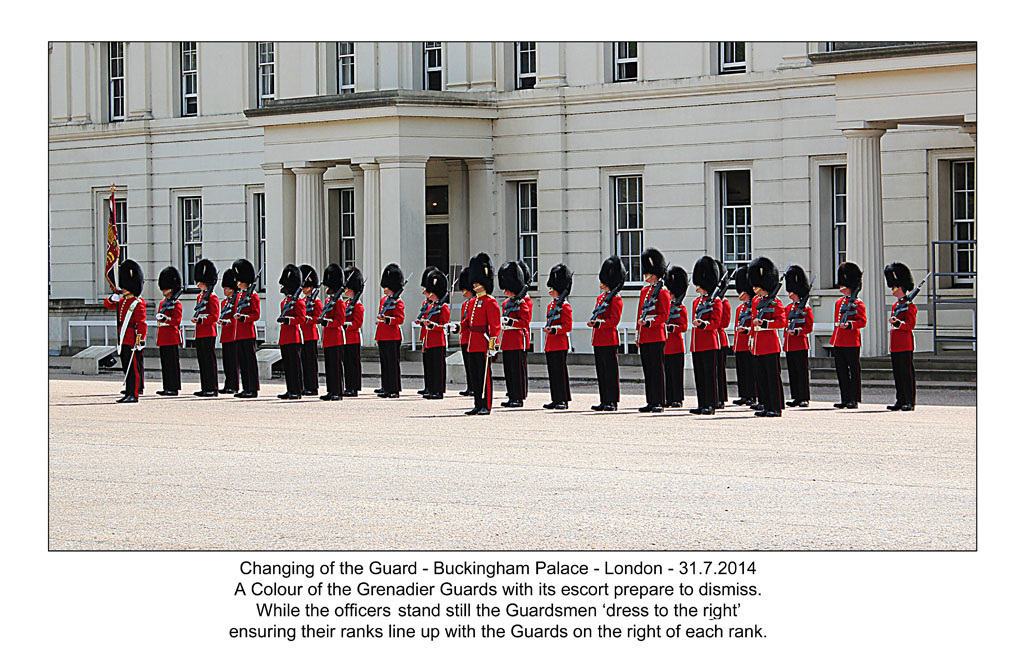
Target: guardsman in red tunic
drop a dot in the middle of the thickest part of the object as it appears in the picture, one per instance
(741, 341)
(556, 343)
(846, 335)
(723, 345)
(677, 282)
(332, 318)
(707, 314)
(228, 351)
(605, 332)
(310, 333)
(433, 335)
(247, 312)
(651, 316)
(131, 327)
(484, 325)
(462, 327)
(902, 321)
(424, 307)
(292, 318)
(168, 335)
(390, 317)
(516, 313)
(764, 341)
(205, 317)
(794, 341)
(352, 334)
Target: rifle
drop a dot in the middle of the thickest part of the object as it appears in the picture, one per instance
(744, 316)
(292, 299)
(331, 303)
(555, 312)
(707, 305)
(904, 302)
(246, 296)
(606, 302)
(849, 306)
(766, 305)
(201, 302)
(512, 304)
(796, 315)
(170, 300)
(391, 301)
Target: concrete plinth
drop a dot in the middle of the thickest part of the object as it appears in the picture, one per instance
(87, 362)
(265, 360)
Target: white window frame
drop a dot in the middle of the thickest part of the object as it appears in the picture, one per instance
(968, 222)
(428, 48)
(121, 220)
(620, 61)
(727, 62)
(346, 61)
(740, 229)
(259, 223)
(527, 211)
(838, 222)
(348, 236)
(116, 81)
(265, 71)
(526, 76)
(620, 204)
(189, 76)
(190, 211)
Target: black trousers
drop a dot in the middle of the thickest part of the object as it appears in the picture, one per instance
(249, 372)
(434, 370)
(390, 370)
(514, 363)
(723, 392)
(333, 369)
(607, 360)
(745, 383)
(207, 363)
(652, 357)
(310, 367)
(799, 375)
(848, 371)
(229, 353)
(905, 377)
(465, 362)
(352, 366)
(673, 378)
(136, 372)
(558, 376)
(704, 378)
(292, 356)
(170, 367)
(769, 381)
(479, 376)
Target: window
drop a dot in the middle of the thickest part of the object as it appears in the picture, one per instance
(191, 236)
(625, 61)
(115, 75)
(121, 221)
(348, 227)
(629, 223)
(838, 195)
(259, 213)
(189, 79)
(265, 88)
(526, 205)
(526, 65)
(346, 67)
(732, 57)
(962, 212)
(734, 200)
(432, 65)
(437, 200)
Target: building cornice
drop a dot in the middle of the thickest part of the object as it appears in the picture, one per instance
(372, 99)
(140, 128)
(884, 52)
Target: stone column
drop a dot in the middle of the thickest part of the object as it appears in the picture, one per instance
(403, 219)
(370, 264)
(864, 230)
(484, 232)
(279, 196)
(458, 218)
(310, 222)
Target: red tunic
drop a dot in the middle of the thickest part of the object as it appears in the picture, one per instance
(435, 336)
(606, 331)
(562, 325)
(464, 321)
(169, 331)
(245, 319)
(354, 318)
(764, 339)
(227, 328)
(483, 322)
(849, 337)
(515, 335)
(389, 325)
(334, 333)
(742, 338)
(705, 337)
(291, 328)
(309, 332)
(723, 337)
(207, 325)
(656, 332)
(798, 341)
(676, 328)
(136, 321)
(901, 338)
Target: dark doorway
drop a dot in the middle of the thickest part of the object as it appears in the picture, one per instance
(437, 245)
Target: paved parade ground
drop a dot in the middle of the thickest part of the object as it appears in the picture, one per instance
(369, 474)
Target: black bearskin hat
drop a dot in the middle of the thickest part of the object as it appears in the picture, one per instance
(227, 280)
(170, 279)
(739, 278)
(436, 283)
(849, 275)
(291, 278)
(482, 272)
(677, 281)
(510, 277)
(560, 278)
(613, 273)
(334, 278)
(527, 273)
(426, 275)
(897, 274)
(705, 274)
(392, 278)
(762, 273)
(244, 272)
(796, 281)
(652, 262)
(206, 272)
(309, 276)
(721, 269)
(463, 281)
(129, 274)
(353, 279)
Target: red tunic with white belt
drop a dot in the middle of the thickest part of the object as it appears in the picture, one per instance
(764, 339)
(354, 316)
(313, 311)
(169, 330)
(291, 328)
(483, 322)
(676, 328)
(723, 337)
(432, 331)
(901, 335)
(705, 336)
(389, 327)
(515, 335)
(849, 337)
(606, 327)
(741, 341)
(558, 340)
(334, 330)
(136, 319)
(245, 319)
(798, 341)
(227, 328)
(655, 333)
(207, 325)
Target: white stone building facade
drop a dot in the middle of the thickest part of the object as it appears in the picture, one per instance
(429, 152)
